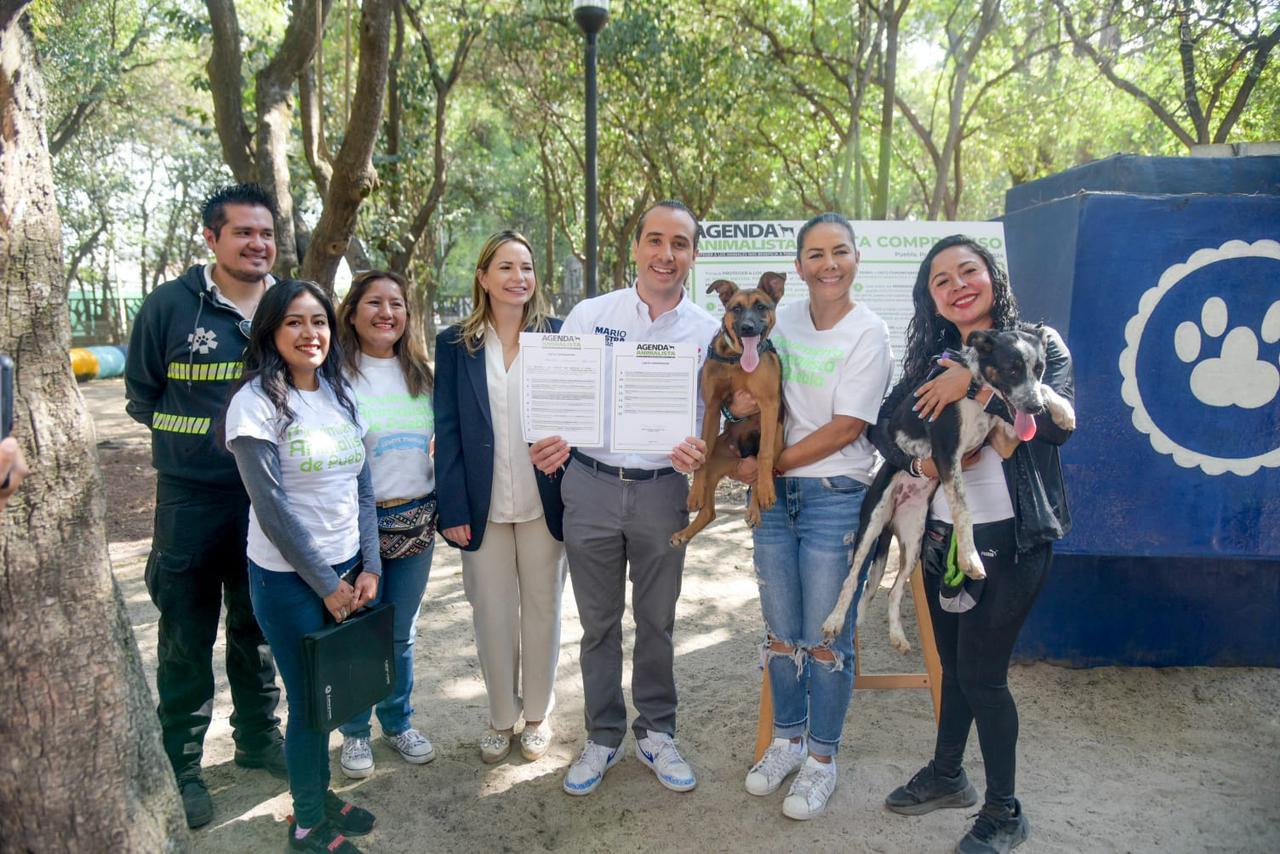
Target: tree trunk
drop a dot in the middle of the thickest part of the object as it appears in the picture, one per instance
(892, 19)
(353, 174)
(83, 768)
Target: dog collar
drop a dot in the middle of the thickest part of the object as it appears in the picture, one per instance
(765, 346)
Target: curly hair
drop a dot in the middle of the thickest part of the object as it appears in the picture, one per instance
(929, 333)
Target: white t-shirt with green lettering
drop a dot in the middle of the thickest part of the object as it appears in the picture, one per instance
(400, 430)
(321, 455)
(844, 370)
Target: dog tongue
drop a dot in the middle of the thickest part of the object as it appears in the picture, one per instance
(751, 353)
(1024, 425)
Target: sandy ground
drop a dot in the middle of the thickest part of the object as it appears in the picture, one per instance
(1110, 759)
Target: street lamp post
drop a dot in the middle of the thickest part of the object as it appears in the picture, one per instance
(591, 16)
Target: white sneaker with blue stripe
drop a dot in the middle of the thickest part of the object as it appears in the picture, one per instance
(588, 769)
(659, 752)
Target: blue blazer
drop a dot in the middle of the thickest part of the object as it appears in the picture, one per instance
(464, 442)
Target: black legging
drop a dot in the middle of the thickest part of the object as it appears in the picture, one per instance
(975, 648)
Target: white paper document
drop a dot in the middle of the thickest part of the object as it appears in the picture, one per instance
(654, 396)
(562, 387)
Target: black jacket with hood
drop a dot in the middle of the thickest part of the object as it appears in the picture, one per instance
(184, 355)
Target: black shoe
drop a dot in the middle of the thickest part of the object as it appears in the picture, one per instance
(997, 830)
(324, 838)
(348, 818)
(196, 802)
(928, 791)
(269, 758)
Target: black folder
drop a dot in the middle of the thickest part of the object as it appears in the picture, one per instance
(350, 666)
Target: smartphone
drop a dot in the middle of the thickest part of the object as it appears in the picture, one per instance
(6, 402)
(6, 396)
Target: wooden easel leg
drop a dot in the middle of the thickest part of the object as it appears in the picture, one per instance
(764, 722)
(928, 645)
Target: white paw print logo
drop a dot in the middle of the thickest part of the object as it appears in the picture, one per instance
(1236, 377)
(1200, 365)
(203, 340)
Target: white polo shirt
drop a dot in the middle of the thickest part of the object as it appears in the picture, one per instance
(622, 316)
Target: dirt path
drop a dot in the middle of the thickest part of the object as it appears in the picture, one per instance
(1110, 759)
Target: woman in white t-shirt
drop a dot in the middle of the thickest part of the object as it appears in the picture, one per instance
(296, 437)
(836, 365)
(385, 359)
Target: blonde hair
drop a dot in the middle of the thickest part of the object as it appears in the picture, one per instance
(411, 349)
(536, 312)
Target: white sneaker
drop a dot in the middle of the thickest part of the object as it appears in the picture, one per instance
(781, 760)
(495, 745)
(413, 747)
(535, 741)
(659, 752)
(357, 758)
(810, 790)
(588, 770)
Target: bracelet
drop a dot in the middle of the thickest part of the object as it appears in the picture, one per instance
(729, 416)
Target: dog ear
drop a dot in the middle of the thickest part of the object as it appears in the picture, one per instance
(981, 341)
(725, 288)
(772, 284)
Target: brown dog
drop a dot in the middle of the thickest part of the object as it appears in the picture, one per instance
(740, 358)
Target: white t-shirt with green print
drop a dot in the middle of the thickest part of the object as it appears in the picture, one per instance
(400, 430)
(321, 455)
(844, 370)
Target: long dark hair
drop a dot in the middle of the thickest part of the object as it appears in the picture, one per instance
(929, 333)
(263, 362)
(410, 348)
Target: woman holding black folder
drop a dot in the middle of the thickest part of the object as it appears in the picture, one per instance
(296, 437)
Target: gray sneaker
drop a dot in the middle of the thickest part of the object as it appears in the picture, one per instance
(928, 791)
(996, 831)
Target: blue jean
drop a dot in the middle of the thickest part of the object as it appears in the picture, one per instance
(404, 580)
(802, 552)
(287, 608)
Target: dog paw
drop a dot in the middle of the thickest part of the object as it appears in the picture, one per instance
(694, 504)
(1237, 376)
(970, 564)
(898, 640)
(766, 498)
(753, 516)
(831, 627)
(679, 538)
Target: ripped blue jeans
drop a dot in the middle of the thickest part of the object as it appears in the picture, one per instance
(802, 551)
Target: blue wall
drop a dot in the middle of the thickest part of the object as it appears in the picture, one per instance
(1175, 553)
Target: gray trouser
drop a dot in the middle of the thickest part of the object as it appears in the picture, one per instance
(608, 524)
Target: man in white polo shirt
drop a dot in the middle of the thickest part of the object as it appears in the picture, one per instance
(621, 509)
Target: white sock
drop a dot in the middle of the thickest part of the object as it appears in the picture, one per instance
(300, 832)
(796, 746)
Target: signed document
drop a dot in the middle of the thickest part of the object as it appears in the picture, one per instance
(562, 387)
(654, 396)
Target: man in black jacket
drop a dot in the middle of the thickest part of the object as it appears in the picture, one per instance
(184, 354)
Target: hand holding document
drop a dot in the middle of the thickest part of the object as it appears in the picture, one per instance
(654, 396)
(561, 387)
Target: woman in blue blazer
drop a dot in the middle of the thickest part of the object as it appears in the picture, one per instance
(494, 505)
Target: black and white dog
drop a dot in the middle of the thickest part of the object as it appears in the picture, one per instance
(898, 503)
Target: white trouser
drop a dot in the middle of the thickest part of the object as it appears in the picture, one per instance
(513, 582)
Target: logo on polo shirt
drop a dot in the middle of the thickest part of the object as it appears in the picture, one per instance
(612, 335)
